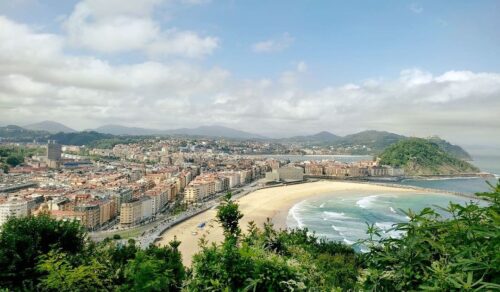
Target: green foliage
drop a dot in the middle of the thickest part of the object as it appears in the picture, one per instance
(113, 267)
(14, 160)
(18, 134)
(24, 240)
(228, 215)
(14, 155)
(79, 138)
(155, 269)
(421, 157)
(94, 139)
(111, 142)
(62, 275)
(459, 251)
(377, 140)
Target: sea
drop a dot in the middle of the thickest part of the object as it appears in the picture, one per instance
(344, 216)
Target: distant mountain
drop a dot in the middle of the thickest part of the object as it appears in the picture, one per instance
(454, 150)
(376, 140)
(422, 157)
(318, 138)
(123, 130)
(214, 131)
(49, 126)
(206, 131)
(371, 142)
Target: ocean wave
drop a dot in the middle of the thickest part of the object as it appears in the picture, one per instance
(340, 229)
(322, 205)
(335, 215)
(384, 225)
(366, 202)
(347, 241)
(294, 212)
(392, 210)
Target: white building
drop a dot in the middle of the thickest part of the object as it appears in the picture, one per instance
(234, 178)
(13, 207)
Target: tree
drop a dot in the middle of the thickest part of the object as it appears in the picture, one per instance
(228, 215)
(156, 269)
(61, 275)
(24, 240)
(14, 160)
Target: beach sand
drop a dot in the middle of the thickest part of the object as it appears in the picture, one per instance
(273, 203)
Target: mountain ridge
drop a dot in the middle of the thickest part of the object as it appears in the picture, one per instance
(207, 131)
(364, 142)
(49, 126)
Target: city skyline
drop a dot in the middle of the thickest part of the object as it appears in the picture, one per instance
(416, 68)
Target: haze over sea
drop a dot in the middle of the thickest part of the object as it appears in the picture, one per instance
(344, 216)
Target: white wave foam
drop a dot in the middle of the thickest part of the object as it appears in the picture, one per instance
(384, 225)
(322, 205)
(364, 250)
(335, 215)
(295, 215)
(392, 210)
(366, 202)
(347, 241)
(340, 229)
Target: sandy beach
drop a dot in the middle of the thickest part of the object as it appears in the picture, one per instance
(273, 203)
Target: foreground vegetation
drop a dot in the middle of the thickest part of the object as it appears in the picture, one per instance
(423, 157)
(454, 248)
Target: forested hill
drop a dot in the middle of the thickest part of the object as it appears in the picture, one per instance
(423, 157)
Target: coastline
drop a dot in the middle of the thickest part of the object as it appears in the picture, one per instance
(273, 203)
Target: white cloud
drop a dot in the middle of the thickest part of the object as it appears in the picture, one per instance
(122, 26)
(39, 81)
(274, 45)
(35, 71)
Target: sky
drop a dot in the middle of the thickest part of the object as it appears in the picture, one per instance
(276, 68)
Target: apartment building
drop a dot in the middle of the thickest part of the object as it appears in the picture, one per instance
(136, 211)
(13, 207)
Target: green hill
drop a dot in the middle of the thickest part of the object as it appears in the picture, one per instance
(423, 157)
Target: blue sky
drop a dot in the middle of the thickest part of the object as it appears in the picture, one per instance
(342, 41)
(303, 57)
